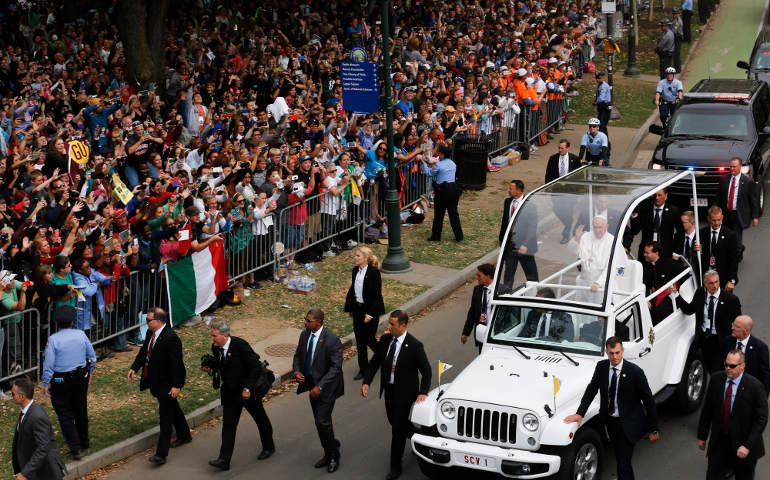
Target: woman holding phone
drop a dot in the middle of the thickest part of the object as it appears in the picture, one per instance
(364, 304)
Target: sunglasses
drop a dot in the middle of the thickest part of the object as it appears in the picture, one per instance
(308, 319)
(732, 365)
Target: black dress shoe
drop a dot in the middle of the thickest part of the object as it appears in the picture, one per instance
(458, 240)
(157, 460)
(220, 463)
(433, 239)
(359, 376)
(334, 464)
(179, 442)
(564, 240)
(266, 453)
(393, 475)
(322, 462)
(76, 455)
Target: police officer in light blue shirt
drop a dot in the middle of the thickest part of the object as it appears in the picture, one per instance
(595, 145)
(668, 94)
(447, 194)
(603, 102)
(69, 362)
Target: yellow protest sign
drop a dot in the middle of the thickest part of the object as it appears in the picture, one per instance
(79, 151)
(120, 190)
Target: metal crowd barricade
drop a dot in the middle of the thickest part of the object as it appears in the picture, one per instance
(247, 252)
(20, 344)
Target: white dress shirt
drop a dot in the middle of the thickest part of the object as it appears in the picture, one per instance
(544, 320)
(358, 284)
(226, 348)
(706, 321)
(619, 368)
(744, 342)
(24, 413)
(399, 342)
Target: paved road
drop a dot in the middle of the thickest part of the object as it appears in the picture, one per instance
(362, 427)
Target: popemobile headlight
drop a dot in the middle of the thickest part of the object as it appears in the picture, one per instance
(745, 169)
(448, 410)
(657, 166)
(530, 422)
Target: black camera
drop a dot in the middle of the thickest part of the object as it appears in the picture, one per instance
(210, 362)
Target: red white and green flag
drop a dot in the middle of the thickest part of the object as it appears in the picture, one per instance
(195, 281)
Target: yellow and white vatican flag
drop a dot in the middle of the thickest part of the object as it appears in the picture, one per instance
(442, 367)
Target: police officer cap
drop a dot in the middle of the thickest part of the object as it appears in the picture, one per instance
(65, 314)
(665, 22)
(445, 151)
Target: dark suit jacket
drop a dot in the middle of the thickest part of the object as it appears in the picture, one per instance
(726, 253)
(670, 225)
(374, 306)
(474, 312)
(34, 453)
(757, 361)
(411, 360)
(552, 169)
(727, 308)
(679, 250)
(326, 369)
(636, 406)
(561, 326)
(166, 366)
(748, 417)
(748, 198)
(655, 277)
(239, 369)
(526, 225)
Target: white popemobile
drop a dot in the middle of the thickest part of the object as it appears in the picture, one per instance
(504, 412)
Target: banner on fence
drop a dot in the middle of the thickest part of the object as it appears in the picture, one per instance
(195, 281)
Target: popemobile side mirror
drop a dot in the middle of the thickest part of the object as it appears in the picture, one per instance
(656, 129)
(743, 65)
(481, 333)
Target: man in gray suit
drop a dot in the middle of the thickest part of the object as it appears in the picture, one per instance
(34, 453)
(318, 369)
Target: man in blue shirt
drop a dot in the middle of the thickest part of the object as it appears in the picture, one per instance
(96, 117)
(603, 102)
(686, 16)
(668, 94)
(447, 194)
(595, 145)
(69, 362)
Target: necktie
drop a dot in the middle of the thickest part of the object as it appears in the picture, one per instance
(713, 242)
(731, 200)
(309, 356)
(484, 306)
(712, 304)
(541, 330)
(687, 248)
(562, 165)
(149, 354)
(656, 220)
(727, 406)
(513, 208)
(613, 389)
(390, 358)
(739, 346)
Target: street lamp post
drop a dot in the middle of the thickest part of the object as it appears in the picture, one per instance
(396, 260)
(631, 69)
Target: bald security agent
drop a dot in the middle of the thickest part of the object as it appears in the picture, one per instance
(33, 454)
(447, 194)
(733, 418)
(405, 376)
(318, 369)
(755, 350)
(69, 362)
(239, 370)
(161, 366)
(627, 407)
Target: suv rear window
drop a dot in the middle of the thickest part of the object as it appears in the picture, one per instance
(723, 124)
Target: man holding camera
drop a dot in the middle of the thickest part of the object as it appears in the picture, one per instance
(239, 368)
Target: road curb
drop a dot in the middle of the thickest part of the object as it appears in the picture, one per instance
(147, 439)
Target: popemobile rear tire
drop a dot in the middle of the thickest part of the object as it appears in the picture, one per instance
(582, 459)
(692, 386)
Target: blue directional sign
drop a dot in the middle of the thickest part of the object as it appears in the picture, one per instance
(360, 87)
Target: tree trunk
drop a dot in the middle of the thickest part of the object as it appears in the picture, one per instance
(142, 30)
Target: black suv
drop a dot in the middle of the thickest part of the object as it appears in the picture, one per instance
(717, 120)
(758, 66)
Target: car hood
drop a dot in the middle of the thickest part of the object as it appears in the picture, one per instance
(511, 380)
(700, 152)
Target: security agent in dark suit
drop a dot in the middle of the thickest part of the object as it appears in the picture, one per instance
(657, 221)
(34, 454)
(719, 249)
(714, 309)
(601, 208)
(739, 200)
(522, 242)
(318, 369)
(756, 351)
(239, 369)
(560, 164)
(364, 304)
(733, 418)
(656, 272)
(685, 242)
(552, 324)
(161, 366)
(481, 302)
(401, 359)
(627, 407)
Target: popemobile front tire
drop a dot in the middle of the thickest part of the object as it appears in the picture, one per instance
(582, 459)
(692, 386)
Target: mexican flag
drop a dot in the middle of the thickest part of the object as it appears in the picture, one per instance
(195, 281)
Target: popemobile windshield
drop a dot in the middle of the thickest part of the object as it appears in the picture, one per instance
(504, 412)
